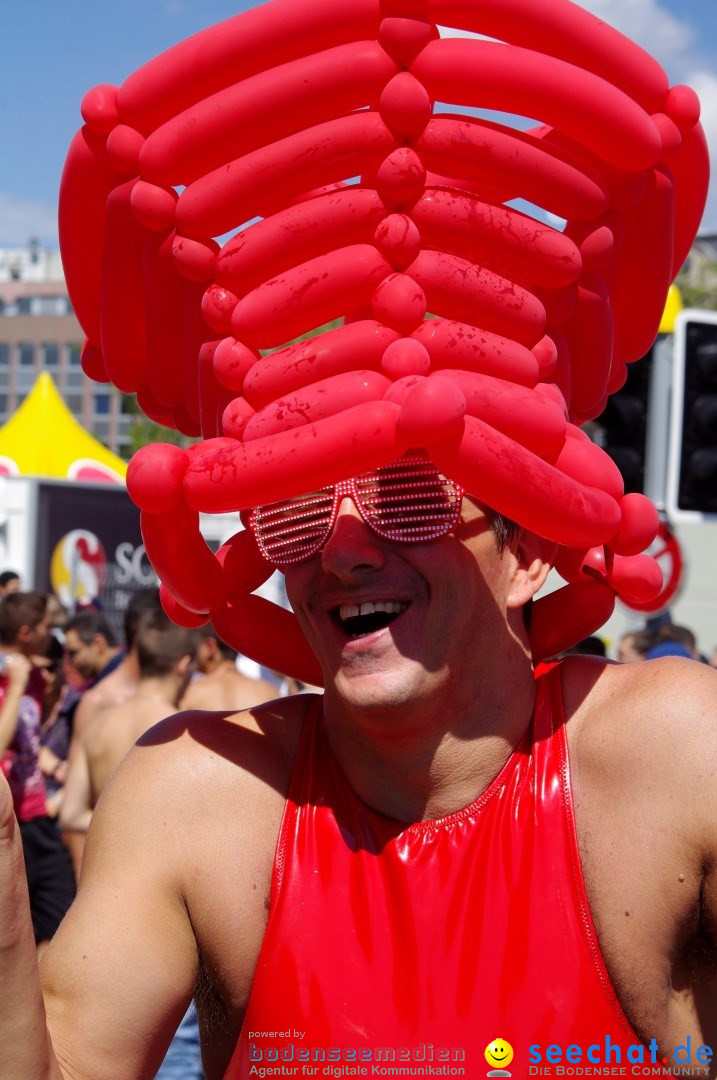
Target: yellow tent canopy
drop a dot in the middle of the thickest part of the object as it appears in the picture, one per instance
(43, 439)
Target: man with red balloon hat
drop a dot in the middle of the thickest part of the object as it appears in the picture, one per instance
(461, 838)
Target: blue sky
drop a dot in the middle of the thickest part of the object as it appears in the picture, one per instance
(54, 50)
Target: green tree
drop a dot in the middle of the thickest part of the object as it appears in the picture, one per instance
(142, 430)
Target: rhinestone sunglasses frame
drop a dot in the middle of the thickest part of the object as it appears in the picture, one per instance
(313, 513)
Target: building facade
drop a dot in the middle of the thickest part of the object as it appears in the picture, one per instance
(39, 332)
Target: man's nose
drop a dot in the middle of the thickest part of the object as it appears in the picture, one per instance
(352, 546)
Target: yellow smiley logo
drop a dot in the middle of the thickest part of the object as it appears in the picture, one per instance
(499, 1053)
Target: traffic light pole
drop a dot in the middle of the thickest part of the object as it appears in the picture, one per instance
(658, 421)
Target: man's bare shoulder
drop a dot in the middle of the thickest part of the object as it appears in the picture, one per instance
(198, 752)
(224, 689)
(655, 719)
(114, 689)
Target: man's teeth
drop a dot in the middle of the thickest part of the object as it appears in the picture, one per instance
(390, 607)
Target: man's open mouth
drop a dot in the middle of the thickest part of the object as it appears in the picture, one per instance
(358, 620)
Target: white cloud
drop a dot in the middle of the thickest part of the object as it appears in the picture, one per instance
(450, 31)
(22, 219)
(705, 83)
(649, 24)
(645, 21)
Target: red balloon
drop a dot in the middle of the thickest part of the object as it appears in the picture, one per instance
(567, 616)
(303, 133)
(93, 363)
(297, 234)
(155, 475)
(321, 399)
(589, 336)
(233, 477)
(312, 294)
(358, 345)
(247, 43)
(245, 568)
(258, 182)
(87, 180)
(638, 527)
(123, 332)
(452, 344)
(268, 106)
(460, 290)
(567, 31)
(181, 559)
(486, 74)
(517, 483)
(178, 614)
(476, 150)
(587, 463)
(270, 635)
(636, 578)
(520, 413)
(497, 237)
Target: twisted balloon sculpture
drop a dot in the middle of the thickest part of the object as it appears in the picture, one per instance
(309, 161)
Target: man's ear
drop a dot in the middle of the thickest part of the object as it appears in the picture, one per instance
(534, 559)
(183, 665)
(99, 643)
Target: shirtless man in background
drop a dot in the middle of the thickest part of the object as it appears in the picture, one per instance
(121, 683)
(219, 685)
(163, 654)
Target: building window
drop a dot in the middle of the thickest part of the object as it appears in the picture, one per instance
(27, 355)
(102, 404)
(24, 380)
(4, 355)
(75, 355)
(74, 403)
(3, 404)
(51, 355)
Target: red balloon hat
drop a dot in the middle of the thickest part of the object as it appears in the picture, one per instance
(309, 161)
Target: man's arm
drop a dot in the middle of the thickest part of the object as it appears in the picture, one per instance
(17, 671)
(121, 970)
(23, 1052)
(76, 812)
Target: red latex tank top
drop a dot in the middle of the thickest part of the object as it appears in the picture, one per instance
(443, 934)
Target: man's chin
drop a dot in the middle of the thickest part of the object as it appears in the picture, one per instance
(388, 688)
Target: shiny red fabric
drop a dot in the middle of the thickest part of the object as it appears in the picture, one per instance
(443, 934)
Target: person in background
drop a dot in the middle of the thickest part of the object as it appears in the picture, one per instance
(634, 645)
(24, 633)
(54, 735)
(220, 686)
(164, 653)
(115, 684)
(91, 646)
(681, 635)
(120, 683)
(9, 583)
(92, 652)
